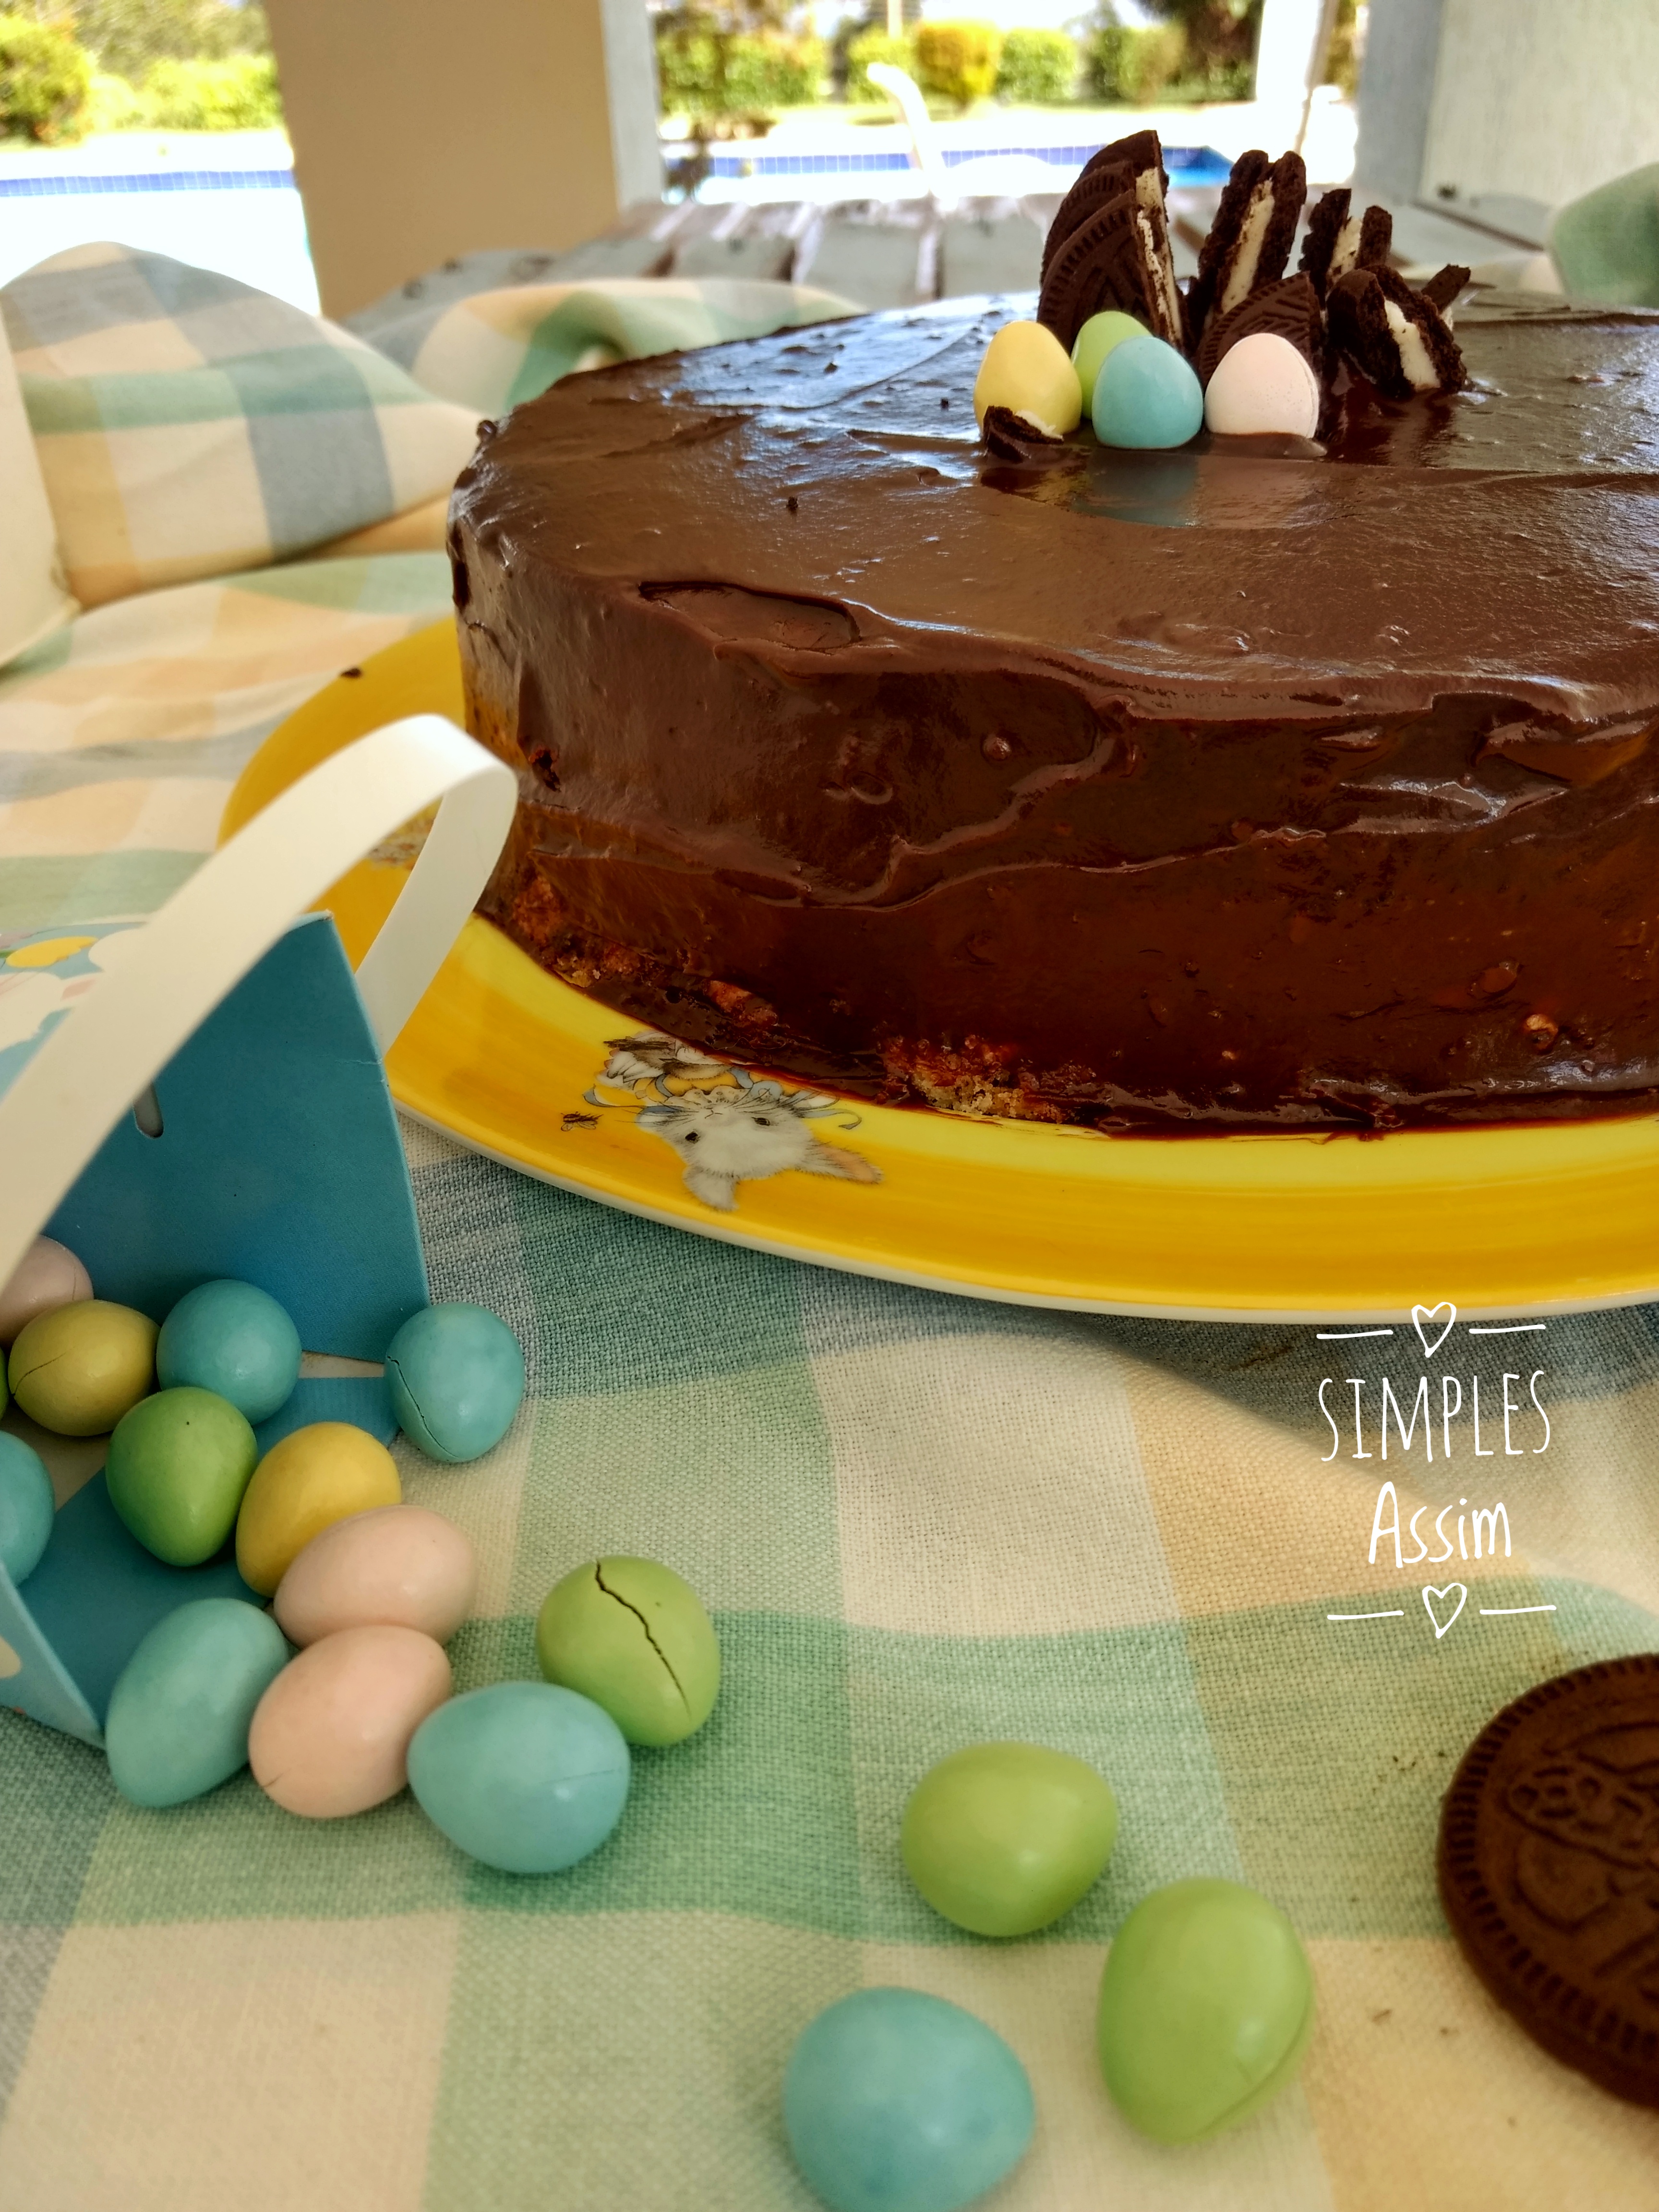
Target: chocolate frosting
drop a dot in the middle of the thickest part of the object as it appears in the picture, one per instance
(1190, 791)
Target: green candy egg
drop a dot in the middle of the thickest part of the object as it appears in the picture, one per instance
(181, 1708)
(178, 1465)
(1099, 336)
(633, 1638)
(1206, 2007)
(1003, 1837)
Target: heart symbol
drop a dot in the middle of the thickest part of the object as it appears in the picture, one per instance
(1429, 1593)
(1421, 1313)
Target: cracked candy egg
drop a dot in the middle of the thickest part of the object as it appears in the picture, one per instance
(634, 1638)
(456, 1376)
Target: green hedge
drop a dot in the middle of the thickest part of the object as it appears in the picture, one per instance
(705, 70)
(238, 93)
(1038, 68)
(45, 79)
(876, 46)
(957, 62)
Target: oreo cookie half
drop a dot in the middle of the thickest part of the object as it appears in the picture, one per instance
(1338, 241)
(1392, 335)
(1289, 309)
(1548, 1866)
(1115, 168)
(1443, 287)
(1119, 258)
(1250, 240)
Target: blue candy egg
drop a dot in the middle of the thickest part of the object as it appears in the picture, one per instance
(179, 1714)
(1146, 396)
(525, 1775)
(26, 1507)
(895, 2101)
(236, 1340)
(456, 1375)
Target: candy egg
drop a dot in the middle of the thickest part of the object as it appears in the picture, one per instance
(47, 1277)
(26, 1507)
(79, 1368)
(1147, 397)
(525, 1775)
(1003, 1837)
(313, 1477)
(1262, 384)
(1027, 369)
(330, 1735)
(1206, 2007)
(632, 1636)
(178, 1465)
(1099, 336)
(179, 1712)
(456, 1375)
(396, 1565)
(895, 2101)
(236, 1340)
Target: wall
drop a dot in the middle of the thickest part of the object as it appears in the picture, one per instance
(1544, 98)
(421, 131)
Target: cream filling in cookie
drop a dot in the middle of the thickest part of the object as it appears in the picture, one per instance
(1345, 254)
(1162, 263)
(1416, 361)
(1247, 254)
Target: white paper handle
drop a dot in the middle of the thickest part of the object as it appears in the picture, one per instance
(195, 949)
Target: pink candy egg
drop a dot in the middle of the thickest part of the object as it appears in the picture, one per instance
(1262, 384)
(330, 1735)
(47, 1276)
(398, 1565)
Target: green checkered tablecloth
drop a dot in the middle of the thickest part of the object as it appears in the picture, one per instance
(919, 1521)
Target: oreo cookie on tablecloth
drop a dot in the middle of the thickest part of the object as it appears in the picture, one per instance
(1548, 1866)
(1119, 258)
(1250, 240)
(1115, 168)
(1338, 241)
(1392, 335)
(1289, 309)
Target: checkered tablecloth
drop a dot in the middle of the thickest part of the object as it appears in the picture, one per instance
(919, 1521)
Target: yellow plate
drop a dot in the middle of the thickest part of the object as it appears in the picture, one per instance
(527, 1070)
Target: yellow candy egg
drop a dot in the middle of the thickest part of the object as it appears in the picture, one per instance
(314, 1477)
(1027, 369)
(78, 1369)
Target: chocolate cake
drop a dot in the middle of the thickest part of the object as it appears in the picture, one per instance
(1246, 787)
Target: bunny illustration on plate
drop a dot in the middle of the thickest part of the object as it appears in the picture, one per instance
(727, 1126)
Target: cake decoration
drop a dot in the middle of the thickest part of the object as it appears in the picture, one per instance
(1147, 397)
(1250, 240)
(1263, 384)
(1095, 341)
(1107, 279)
(1027, 372)
(1392, 336)
(1130, 171)
(1288, 308)
(1338, 241)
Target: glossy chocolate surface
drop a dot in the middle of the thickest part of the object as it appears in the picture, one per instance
(1236, 787)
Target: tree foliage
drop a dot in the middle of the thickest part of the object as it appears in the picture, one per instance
(45, 79)
(957, 62)
(736, 61)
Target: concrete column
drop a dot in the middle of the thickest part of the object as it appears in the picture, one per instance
(1396, 91)
(423, 130)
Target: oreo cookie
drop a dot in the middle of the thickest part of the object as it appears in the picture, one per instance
(1250, 240)
(1118, 258)
(1392, 335)
(1338, 242)
(1443, 287)
(1288, 309)
(1115, 168)
(1009, 437)
(1548, 1866)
